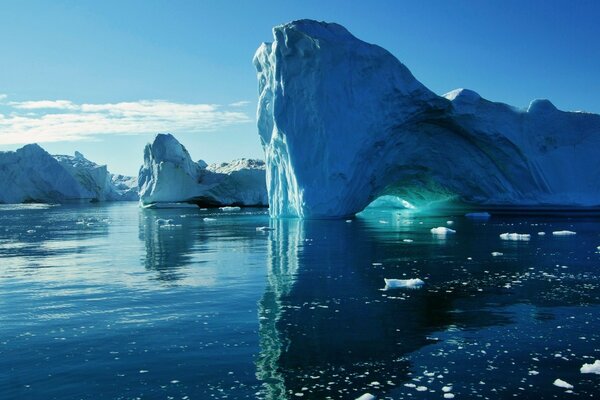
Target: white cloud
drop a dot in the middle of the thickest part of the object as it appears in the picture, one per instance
(60, 120)
(242, 103)
(3, 96)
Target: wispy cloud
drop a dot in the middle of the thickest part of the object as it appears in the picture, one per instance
(241, 103)
(61, 120)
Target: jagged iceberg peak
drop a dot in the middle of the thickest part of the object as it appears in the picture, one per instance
(30, 174)
(170, 176)
(343, 122)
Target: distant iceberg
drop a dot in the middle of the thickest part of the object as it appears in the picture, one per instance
(31, 175)
(170, 176)
(343, 122)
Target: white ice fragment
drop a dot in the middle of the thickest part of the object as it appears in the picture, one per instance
(264, 228)
(442, 231)
(562, 384)
(564, 233)
(229, 209)
(533, 372)
(449, 222)
(407, 240)
(208, 219)
(446, 389)
(448, 395)
(366, 396)
(515, 236)
(421, 388)
(403, 283)
(541, 233)
(497, 254)
(591, 368)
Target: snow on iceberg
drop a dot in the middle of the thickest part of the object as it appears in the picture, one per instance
(170, 176)
(562, 384)
(564, 233)
(442, 231)
(403, 283)
(591, 368)
(343, 122)
(515, 236)
(31, 174)
(97, 182)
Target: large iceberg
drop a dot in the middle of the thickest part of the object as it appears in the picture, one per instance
(170, 176)
(30, 174)
(343, 122)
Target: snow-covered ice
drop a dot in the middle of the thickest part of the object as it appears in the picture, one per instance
(591, 368)
(442, 230)
(403, 283)
(564, 233)
(170, 176)
(343, 122)
(562, 384)
(515, 236)
(30, 174)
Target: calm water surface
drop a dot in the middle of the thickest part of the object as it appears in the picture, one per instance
(111, 302)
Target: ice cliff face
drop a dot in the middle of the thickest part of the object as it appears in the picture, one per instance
(169, 175)
(343, 122)
(30, 174)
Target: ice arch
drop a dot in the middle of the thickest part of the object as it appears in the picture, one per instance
(343, 122)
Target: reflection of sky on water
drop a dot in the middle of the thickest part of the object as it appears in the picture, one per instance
(92, 295)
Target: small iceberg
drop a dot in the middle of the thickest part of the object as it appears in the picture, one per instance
(366, 396)
(229, 208)
(497, 254)
(591, 368)
(562, 384)
(515, 236)
(264, 228)
(208, 219)
(403, 283)
(564, 233)
(442, 231)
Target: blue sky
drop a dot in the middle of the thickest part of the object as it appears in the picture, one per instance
(185, 66)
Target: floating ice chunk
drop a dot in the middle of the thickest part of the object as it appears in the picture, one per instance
(478, 215)
(515, 236)
(447, 389)
(591, 368)
(533, 372)
(541, 233)
(264, 228)
(421, 388)
(366, 396)
(497, 254)
(410, 385)
(562, 384)
(449, 222)
(229, 209)
(564, 233)
(208, 219)
(598, 248)
(407, 240)
(448, 395)
(442, 231)
(349, 221)
(403, 283)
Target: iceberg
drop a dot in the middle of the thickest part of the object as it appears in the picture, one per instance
(170, 176)
(31, 175)
(343, 122)
(414, 283)
(591, 368)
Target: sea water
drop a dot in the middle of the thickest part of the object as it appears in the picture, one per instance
(117, 302)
